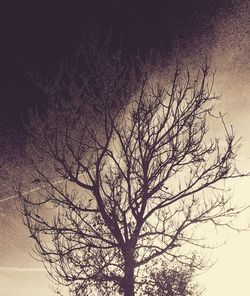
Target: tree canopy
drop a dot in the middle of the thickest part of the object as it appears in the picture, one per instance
(125, 172)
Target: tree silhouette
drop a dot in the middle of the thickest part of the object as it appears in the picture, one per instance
(122, 188)
(171, 281)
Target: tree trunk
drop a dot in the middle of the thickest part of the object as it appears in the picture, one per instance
(129, 281)
(129, 284)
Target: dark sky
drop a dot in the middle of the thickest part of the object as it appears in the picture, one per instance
(38, 34)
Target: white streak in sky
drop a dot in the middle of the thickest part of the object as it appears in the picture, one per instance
(30, 191)
(21, 269)
(27, 192)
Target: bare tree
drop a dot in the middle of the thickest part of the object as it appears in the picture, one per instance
(124, 187)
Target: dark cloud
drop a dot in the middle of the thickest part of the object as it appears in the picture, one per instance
(41, 33)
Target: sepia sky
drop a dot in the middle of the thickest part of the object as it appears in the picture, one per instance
(221, 33)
